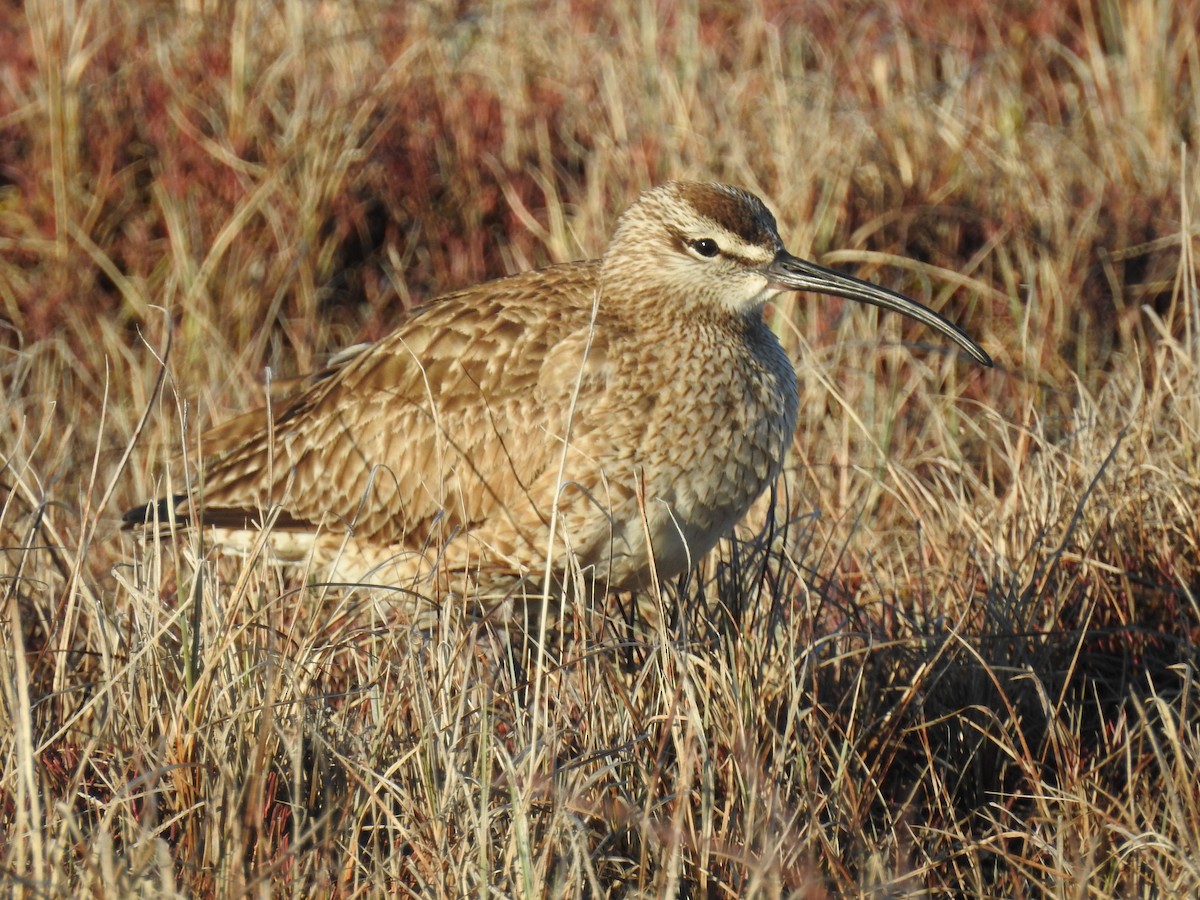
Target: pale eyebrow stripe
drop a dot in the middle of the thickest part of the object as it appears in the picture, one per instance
(684, 241)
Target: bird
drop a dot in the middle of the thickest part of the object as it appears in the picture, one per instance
(611, 417)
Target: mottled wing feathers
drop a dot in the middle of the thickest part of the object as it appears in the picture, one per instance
(443, 423)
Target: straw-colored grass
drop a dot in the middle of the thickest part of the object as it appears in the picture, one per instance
(956, 656)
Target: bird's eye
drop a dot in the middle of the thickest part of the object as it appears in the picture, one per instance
(706, 247)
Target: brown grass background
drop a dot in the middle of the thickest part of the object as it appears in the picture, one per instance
(958, 658)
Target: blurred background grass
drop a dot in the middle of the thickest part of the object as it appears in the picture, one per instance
(966, 666)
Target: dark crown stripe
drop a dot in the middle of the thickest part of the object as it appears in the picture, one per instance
(738, 212)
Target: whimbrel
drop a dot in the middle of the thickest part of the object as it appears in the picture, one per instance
(638, 402)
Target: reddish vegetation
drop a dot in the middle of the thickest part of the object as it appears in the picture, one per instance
(432, 179)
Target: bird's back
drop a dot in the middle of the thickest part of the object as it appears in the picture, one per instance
(438, 427)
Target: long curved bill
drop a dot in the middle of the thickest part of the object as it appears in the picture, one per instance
(790, 273)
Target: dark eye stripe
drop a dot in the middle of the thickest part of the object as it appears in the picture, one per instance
(692, 244)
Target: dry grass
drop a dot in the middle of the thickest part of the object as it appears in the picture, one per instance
(959, 659)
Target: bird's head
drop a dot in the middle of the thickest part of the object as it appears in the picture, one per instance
(717, 248)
